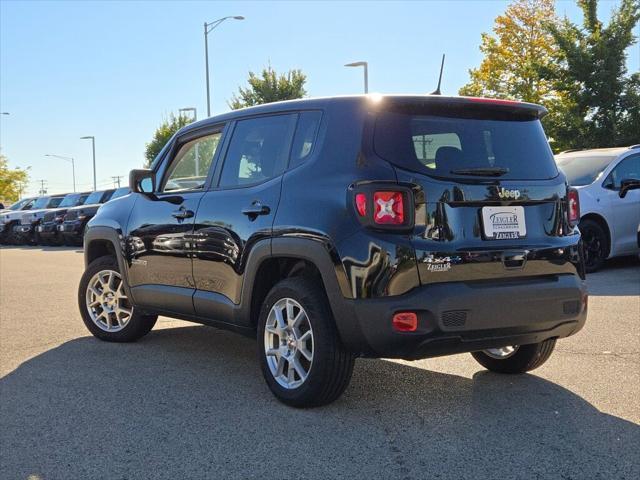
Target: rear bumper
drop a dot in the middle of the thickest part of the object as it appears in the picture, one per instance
(461, 317)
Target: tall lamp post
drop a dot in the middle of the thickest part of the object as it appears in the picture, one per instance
(73, 166)
(207, 29)
(366, 73)
(93, 145)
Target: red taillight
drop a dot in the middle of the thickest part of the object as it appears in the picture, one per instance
(388, 208)
(361, 204)
(405, 322)
(573, 206)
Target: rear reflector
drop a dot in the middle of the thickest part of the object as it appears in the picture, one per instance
(388, 208)
(573, 208)
(405, 322)
(361, 204)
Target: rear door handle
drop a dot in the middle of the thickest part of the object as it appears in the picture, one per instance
(182, 213)
(255, 209)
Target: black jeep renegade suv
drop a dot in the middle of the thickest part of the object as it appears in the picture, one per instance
(377, 226)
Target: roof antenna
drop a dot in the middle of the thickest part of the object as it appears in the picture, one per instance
(437, 90)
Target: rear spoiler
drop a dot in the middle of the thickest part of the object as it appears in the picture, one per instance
(467, 107)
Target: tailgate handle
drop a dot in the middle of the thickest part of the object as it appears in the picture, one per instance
(514, 260)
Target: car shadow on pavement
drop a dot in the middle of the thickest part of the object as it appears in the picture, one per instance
(621, 277)
(190, 402)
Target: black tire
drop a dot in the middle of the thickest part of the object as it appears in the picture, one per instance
(595, 244)
(332, 365)
(525, 359)
(137, 326)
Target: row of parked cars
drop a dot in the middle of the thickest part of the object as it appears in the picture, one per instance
(53, 219)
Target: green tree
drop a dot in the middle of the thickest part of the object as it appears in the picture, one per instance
(270, 87)
(11, 181)
(162, 135)
(518, 60)
(603, 101)
(514, 54)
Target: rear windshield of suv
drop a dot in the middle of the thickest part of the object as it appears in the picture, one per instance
(442, 146)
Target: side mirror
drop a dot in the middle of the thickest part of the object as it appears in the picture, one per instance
(628, 184)
(142, 181)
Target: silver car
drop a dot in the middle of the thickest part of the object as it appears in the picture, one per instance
(608, 184)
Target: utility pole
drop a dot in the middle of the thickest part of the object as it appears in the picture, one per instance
(43, 190)
(116, 179)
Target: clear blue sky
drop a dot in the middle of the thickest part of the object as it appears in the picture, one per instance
(115, 69)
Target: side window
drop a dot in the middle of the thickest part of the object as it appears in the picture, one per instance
(305, 139)
(258, 150)
(190, 166)
(627, 169)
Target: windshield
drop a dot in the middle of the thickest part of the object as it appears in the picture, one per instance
(94, 198)
(19, 204)
(41, 203)
(54, 202)
(70, 200)
(581, 171)
(120, 192)
(456, 147)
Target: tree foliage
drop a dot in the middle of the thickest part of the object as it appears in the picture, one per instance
(518, 61)
(603, 101)
(514, 54)
(162, 135)
(270, 87)
(11, 180)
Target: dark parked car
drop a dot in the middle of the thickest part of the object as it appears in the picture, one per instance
(11, 217)
(25, 231)
(47, 230)
(394, 226)
(76, 219)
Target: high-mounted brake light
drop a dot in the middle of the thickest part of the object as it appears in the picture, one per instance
(361, 204)
(388, 208)
(495, 101)
(573, 206)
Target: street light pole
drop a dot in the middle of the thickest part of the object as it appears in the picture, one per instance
(73, 166)
(93, 145)
(208, 27)
(366, 73)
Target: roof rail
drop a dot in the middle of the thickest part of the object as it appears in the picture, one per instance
(571, 150)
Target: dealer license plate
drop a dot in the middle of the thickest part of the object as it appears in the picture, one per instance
(503, 223)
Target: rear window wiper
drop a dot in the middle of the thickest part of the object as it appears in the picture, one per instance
(482, 171)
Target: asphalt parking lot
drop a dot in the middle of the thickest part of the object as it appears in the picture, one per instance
(189, 401)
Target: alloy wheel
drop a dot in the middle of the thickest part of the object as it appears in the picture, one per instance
(593, 247)
(107, 303)
(288, 343)
(501, 353)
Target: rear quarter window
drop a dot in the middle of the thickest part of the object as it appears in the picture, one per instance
(438, 145)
